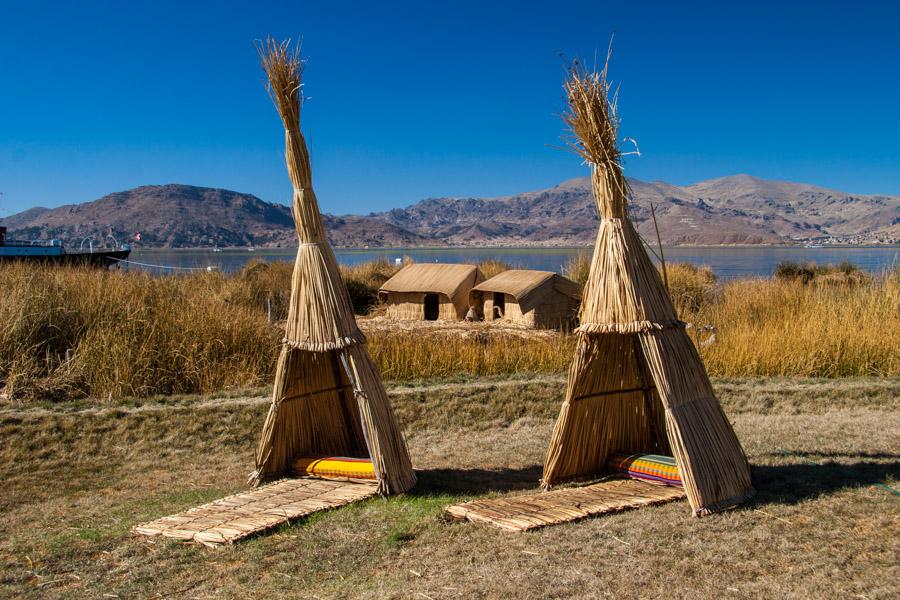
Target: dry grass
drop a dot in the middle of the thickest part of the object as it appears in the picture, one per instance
(845, 273)
(766, 327)
(578, 268)
(493, 267)
(127, 334)
(415, 355)
(266, 285)
(691, 287)
(823, 524)
(131, 334)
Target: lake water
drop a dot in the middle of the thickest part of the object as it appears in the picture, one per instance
(726, 262)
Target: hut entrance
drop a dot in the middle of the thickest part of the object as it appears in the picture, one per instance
(499, 305)
(432, 307)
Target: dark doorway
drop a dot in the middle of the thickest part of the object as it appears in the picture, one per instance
(499, 305)
(432, 307)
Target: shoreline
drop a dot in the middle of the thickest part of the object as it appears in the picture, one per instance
(363, 249)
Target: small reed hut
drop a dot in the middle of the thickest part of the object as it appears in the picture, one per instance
(328, 398)
(637, 383)
(430, 291)
(539, 299)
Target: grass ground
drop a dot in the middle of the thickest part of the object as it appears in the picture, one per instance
(77, 475)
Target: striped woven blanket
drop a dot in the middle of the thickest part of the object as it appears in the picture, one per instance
(648, 467)
(335, 467)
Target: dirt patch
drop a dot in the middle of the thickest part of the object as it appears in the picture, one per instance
(463, 329)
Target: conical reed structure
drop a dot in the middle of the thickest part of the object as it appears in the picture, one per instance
(637, 383)
(328, 397)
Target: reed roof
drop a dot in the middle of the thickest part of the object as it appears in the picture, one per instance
(529, 287)
(447, 279)
(637, 383)
(328, 397)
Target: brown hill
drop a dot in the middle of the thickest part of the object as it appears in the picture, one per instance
(168, 216)
(732, 210)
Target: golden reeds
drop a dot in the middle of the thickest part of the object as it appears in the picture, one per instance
(328, 398)
(635, 370)
(71, 333)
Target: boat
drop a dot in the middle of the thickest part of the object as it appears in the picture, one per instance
(53, 252)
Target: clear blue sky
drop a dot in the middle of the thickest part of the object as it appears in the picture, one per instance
(422, 99)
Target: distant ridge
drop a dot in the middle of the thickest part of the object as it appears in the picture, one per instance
(739, 209)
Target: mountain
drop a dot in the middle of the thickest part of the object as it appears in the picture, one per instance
(739, 209)
(167, 216)
(23, 218)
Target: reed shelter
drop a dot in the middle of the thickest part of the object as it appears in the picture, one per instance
(637, 383)
(538, 299)
(328, 399)
(330, 424)
(430, 291)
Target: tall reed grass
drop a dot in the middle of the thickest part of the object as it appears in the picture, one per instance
(66, 332)
(492, 267)
(772, 327)
(578, 268)
(75, 332)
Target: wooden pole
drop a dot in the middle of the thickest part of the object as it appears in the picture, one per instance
(662, 257)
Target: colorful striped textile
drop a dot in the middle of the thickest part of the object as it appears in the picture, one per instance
(333, 467)
(647, 467)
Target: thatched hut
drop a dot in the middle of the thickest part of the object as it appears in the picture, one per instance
(328, 398)
(637, 383)
(430, 291)
(539, 299)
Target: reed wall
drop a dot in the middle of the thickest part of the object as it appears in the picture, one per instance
(410, 306)
(555, 311)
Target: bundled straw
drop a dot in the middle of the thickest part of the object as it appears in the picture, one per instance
(328, 397)
(320, 316)
(637, 383)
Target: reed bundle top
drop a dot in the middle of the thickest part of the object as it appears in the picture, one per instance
(623, 292)
(320, 315)
(593, 119)
(284, 68)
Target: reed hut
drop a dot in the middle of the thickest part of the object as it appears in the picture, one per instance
(430, 291)
(539, 299)
(637, 383)
(328, 398)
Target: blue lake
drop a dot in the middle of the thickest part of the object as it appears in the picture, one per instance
(726, 262)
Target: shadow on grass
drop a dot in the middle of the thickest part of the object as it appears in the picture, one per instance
(782, 484)
(827, 455)
(475, 481)
(790, 484)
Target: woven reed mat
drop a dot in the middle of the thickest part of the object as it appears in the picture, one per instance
(235, 517)
(521, 513)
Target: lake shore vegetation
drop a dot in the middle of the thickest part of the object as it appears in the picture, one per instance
(68, 333)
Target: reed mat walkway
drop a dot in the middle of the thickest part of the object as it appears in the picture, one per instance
(522, 513)
(239, 516)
